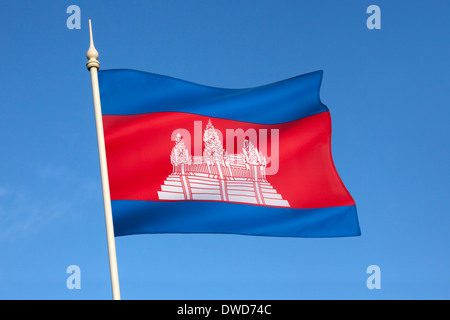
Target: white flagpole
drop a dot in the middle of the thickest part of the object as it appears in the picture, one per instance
(93, 65)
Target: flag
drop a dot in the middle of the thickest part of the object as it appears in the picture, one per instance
(189, 158)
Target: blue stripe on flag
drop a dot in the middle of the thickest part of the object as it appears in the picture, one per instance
(139, 217)
(128, 92)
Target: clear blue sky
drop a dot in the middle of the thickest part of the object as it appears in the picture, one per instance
(388, 93)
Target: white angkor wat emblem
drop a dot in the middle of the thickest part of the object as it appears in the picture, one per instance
(219, 176)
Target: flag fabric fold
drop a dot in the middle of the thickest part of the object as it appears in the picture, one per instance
(188, 158)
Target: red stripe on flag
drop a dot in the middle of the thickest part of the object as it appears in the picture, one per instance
(138, 151)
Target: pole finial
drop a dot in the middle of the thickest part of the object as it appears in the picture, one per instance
(92, 53)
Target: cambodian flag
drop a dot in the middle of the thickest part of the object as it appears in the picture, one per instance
(188, 158)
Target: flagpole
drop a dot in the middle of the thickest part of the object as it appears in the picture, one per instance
(93, 65)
